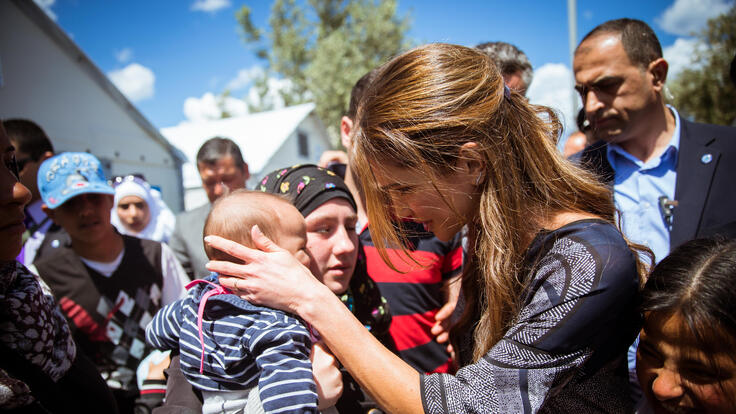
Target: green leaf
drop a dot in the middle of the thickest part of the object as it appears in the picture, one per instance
(323, 47)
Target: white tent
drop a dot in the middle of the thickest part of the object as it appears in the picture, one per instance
(268, 140)
(46, 78)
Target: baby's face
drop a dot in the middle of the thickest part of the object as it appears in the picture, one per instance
(293, 233)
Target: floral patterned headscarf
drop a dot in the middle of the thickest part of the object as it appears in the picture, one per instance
(307, 185)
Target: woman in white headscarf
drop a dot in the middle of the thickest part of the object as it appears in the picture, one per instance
(140, 211)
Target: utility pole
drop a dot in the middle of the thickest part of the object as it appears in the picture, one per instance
(572, 30)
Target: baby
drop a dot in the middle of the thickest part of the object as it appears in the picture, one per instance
(228, 346)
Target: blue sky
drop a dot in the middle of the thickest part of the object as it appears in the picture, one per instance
(162, 53)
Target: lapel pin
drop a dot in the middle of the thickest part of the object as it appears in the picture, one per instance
(706, 159)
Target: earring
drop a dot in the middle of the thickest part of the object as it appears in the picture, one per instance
(477, 180)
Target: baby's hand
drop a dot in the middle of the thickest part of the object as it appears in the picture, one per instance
(331, 156)
(156, 371)
(327, 376)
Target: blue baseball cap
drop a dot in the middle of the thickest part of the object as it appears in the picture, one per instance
(68, 175)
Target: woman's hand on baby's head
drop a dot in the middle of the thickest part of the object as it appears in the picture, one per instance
(271, 276)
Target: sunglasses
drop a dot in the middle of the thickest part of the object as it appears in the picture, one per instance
(137, 178)
(21, 163)
(13, 167)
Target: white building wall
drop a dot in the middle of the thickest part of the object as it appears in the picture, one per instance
(289, 155)
(42, 82)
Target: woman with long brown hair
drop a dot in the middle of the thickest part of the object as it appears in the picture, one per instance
(550, 283)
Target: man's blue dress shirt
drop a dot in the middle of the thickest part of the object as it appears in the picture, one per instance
(637, 188)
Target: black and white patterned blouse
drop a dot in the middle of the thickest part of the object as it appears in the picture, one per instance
(32, 326)
(566, 352)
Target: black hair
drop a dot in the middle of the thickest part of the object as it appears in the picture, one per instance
(638, 39)
(509, 59)
(359, 89)
(28, 137)
(582, 123)
(698, 281)
(217, 148)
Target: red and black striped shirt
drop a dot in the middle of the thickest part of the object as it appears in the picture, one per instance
(414, 297)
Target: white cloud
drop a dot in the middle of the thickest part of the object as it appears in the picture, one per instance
(235, 106)
(244, 78)
(680, 55)
(210, 5)
(553, 86)
(208, 108)
(272, 98)
(685, 17)
(135, 81)
(200, 109)
(588, 15)
(211, 106)
(124, 55)
(46, 5)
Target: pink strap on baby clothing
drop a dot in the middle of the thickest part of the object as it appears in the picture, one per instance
(218, 290)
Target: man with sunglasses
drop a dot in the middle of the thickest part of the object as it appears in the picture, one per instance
(222, 169)
(33, 147)
(672, 179)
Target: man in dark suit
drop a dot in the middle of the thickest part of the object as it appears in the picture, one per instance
(672, 178)
(221, 168)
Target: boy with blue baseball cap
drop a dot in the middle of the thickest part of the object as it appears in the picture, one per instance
(108, 285)
(71, 174)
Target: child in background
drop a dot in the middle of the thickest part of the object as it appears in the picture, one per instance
(685, 360)
(108, 285)
(228, 346)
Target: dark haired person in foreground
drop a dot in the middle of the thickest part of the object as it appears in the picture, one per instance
(32, 147)
(685, 360)
(41, 370)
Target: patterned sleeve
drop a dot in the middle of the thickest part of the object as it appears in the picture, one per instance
(281, 347)
(572, 306)
(32, 324)
(164, 330)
